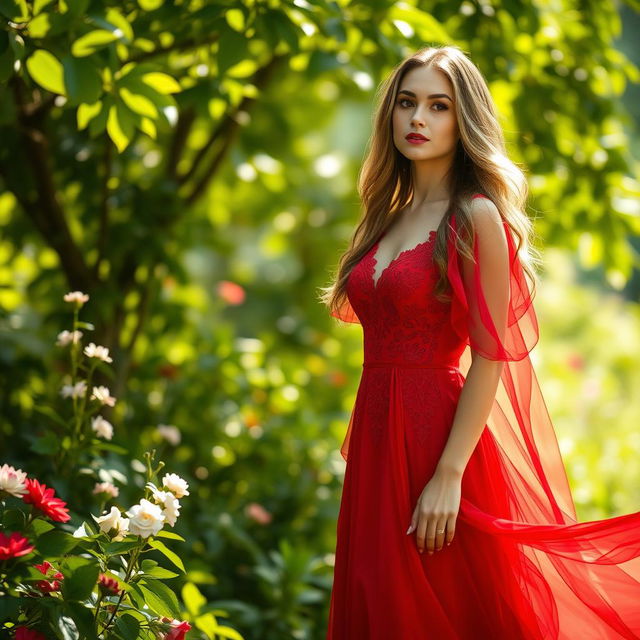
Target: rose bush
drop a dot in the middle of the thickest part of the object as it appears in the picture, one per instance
(91, 579)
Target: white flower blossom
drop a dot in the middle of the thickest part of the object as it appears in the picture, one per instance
(102, 427)
(169, 503)
(76, 390)
(175, 484)
(12, 481)
(77, 297)
(170, 433)
(113, 520)
(102, 395)
(145, 519)
(93, 350)
(65, 337)
(106, 487)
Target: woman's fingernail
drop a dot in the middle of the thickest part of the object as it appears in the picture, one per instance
(409, 530)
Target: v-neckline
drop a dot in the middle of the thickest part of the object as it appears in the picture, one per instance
(374, 259)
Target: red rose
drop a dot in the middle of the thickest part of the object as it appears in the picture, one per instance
(14, 546)
(47, 587)
(109, 584)
(45, 567)
(43, 498)
(179, 630)
(24, 633)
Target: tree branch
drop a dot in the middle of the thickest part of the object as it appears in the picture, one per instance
(46, 212)
(186, 119)
(230, 126)
(103, 231)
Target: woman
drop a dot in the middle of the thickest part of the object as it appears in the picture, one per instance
(440, 273)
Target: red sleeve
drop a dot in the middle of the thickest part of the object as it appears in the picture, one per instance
(346, 312)
(492, 305)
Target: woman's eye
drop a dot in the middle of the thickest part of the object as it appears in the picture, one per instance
(440, 104)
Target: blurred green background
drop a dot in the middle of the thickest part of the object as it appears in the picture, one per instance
(192, 166)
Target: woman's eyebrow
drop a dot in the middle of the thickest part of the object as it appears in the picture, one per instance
(433, 95)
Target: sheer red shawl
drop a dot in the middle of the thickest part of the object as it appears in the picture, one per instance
(583, 578)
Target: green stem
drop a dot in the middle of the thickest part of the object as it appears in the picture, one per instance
(132, 562)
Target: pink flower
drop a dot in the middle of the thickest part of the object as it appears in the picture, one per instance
(258, 513)
(106, 487)
(24, 633)
(231, 292)
(43, 498)
(178, 631)
(14, 546)
(12, 480)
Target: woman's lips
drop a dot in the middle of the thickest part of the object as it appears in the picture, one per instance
(414, 138)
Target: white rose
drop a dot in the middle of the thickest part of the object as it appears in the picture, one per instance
(92, 350)
(12, 481)
(111, 520)
(102, 427)
(171, 509)
(145, 519)
(175, 484)
(170, 504)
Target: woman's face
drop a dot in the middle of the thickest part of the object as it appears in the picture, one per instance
(424, 105)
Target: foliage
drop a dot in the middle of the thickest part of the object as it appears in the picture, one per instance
(105, 588)
(201, 207)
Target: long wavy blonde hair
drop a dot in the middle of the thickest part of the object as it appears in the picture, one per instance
(480, 165)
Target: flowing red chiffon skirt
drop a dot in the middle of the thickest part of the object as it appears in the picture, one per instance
(520, 566)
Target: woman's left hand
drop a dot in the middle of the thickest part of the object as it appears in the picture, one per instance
(435, 514)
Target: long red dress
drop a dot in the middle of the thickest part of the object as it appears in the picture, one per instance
(520, 566)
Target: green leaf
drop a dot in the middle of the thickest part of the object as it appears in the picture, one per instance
(80, 577)
(150, 5)
(119, 547)
(93, 41)
(15, 11)
(161, 82)
(138, 103)
(39, 5)
(82, 80)
(192, 598)
(47, 71)
(52, 414)
(39, 527)
(160, 597)
(128, 627)
(82, 617)
(161, 573)
(174, 557)
(47, 444)
(120, 126)
(169, 534)
(9, 607)
(39, 27)
(56, 543)
(86, 113)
